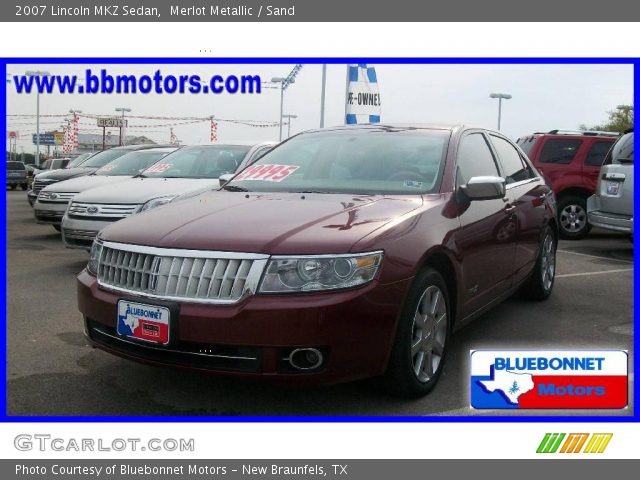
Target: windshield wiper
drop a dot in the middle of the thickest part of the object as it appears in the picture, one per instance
(234, 188)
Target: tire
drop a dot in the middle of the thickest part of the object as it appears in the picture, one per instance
(406, 374)
(57, 227)
(24, 186)
(573, 222)
(540, 283)
(12, 187)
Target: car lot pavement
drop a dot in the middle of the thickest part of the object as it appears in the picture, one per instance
(52, 371)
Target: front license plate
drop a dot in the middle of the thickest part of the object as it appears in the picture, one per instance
(613, 188)
(140, 321)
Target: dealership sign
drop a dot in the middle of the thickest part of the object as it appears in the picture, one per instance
(112, 122)
(549, 379)
(363, 97)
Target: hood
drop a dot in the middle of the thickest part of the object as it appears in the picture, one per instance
(80, 184)
(65, 173)
(141, 190)
(273, 223)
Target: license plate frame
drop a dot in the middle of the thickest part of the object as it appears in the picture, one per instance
(613, 188)
(144, 322)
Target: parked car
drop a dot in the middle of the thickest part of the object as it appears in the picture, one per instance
(53, 200)
(181, 174)
(67, 162)
(570, 161)
(612, 205)
(343, 253)
(86, 168)
(16, 175)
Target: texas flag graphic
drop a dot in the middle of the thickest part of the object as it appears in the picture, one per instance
(567, 379)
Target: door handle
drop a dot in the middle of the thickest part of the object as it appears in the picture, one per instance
(509, 208)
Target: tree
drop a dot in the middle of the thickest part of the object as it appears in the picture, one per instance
(620, 119)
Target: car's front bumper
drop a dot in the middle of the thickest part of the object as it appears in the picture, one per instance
(49, 212)
(354, 329)
(79, 233)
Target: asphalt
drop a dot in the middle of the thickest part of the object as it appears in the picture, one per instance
(53, 371)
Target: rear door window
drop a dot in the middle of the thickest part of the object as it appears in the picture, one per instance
(597, 153)
(560, 150)
(15, 166)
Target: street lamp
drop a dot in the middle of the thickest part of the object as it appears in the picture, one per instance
(37, 73)
(280, 80)
(122, 129)
(288, 116)
(500, 96)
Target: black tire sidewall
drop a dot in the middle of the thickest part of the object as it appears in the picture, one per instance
(400, 373)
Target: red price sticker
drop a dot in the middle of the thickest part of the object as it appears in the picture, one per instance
(159, 168)
(106, 168)
(267, 173)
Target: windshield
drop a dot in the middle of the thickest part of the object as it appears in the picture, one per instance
(622, 151)
(199, 162)
(45, 165)
(78, 160)
(132, 163)
(102, 158)
(15, 166)
(366, 161)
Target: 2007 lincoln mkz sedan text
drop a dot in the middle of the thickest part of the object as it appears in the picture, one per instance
(343, 253)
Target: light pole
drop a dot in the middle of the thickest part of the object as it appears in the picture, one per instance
(323, 92)
(500, 96)
(37, 73)
(288, 116)
(122, 128)
(280, 80)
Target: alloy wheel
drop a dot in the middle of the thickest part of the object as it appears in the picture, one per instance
(573, 218)
(429, 333)
(548, 259)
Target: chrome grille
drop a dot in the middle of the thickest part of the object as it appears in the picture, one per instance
(175, 274)
(101, 210)
(40, 184)
(55, 197)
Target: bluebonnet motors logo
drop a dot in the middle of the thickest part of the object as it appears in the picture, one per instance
(549, 379)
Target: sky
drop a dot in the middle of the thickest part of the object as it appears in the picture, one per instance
(545, 97)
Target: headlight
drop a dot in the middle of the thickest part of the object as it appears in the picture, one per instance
(94, 258)
(156, 202)
(326, 272)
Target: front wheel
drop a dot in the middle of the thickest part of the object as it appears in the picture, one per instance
(422, 338)
(540, 284)
(572, 217)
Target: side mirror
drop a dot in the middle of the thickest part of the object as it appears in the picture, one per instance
(224, 178)
(484, 188)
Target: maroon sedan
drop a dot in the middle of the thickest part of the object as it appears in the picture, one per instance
(343, 253)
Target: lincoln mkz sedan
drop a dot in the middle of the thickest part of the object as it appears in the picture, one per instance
(343, 253)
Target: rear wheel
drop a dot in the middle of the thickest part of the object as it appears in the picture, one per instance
(540, 284)
(24, 186)
(422, 338)
(572, 217)
(12, 187)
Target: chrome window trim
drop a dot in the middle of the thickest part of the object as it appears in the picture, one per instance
(522, 182)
